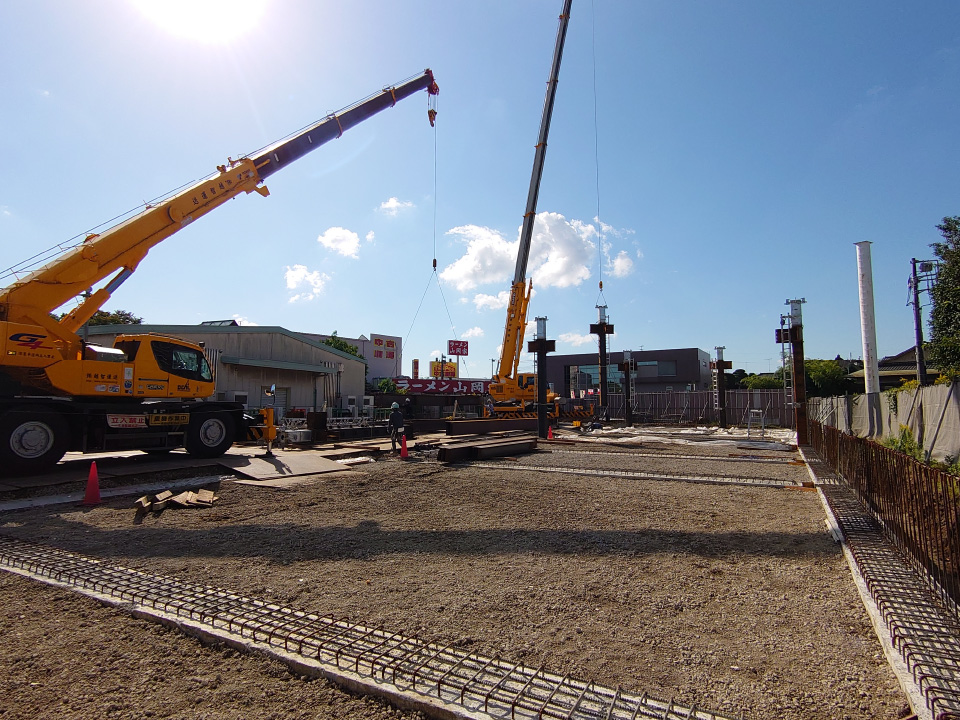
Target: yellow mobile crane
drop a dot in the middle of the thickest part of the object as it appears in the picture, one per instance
(59, 393)
(514, 392)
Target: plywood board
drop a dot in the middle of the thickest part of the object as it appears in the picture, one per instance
(260, 467)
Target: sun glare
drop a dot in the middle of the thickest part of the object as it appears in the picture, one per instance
(205, 21)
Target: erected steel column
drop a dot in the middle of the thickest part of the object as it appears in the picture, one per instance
(541, 346)
(627, 367)
(602, 329)
(868, 323)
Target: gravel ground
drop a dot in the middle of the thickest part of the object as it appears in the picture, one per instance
(730, 597)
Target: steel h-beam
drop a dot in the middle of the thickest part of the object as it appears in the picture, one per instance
(602, 329)
(541, 346)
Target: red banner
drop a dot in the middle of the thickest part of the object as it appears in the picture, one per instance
(462, 386)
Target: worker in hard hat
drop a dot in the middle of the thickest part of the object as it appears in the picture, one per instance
(395, 425)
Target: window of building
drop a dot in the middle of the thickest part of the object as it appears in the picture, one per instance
(666, 368)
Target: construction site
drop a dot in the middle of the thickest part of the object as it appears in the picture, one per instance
(219, 520)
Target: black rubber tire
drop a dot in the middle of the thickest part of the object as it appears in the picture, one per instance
(32, 440)
(209, 434)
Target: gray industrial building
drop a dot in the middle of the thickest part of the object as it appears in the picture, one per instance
(578, 376)
(248, 359)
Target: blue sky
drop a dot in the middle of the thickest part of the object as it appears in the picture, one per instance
(733, 151)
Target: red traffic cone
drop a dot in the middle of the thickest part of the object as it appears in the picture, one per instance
(92, 496)
(549, 432)
(403, 446)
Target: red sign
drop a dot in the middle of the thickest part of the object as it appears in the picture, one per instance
(436, 385)
(416, 368)
(457, 347)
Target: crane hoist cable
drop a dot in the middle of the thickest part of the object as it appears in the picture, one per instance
(432, 116)
(596, 150)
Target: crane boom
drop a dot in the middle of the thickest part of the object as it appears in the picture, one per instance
(530, 214)
(121, 248)
(507, 386)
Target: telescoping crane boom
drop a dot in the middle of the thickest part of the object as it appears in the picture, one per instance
(512, 391)
(59, 393)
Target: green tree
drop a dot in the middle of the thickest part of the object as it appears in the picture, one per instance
(825, 378)
(945, 315)
(761, 382)
(342, 345)
(117, 317)
(386, 385)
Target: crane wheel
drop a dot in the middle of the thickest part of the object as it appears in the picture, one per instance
(32, 440)
(209, 434)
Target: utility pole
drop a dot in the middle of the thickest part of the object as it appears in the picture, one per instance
(922, 271)
(602, 329)
(541, 346)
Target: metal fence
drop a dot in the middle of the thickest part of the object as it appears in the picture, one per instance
(917, 506)
(697, 407)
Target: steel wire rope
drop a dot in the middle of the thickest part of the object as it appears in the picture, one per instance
(596, 149)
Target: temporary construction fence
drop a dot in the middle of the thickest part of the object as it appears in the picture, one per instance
(917, 506)
(698, 407)
(931, 413)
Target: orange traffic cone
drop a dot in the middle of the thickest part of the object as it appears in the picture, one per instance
(92, 496)
(403, 446)
(549, 432)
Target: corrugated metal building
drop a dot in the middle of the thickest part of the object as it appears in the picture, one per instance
(248, 359)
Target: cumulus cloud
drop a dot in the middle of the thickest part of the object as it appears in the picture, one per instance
(621, 265)
(489, 258)
(393, 206)
(244, 321)
(473, 332)
(308, 283)
(340, 240)
(577, 340)
(561, 252)
(491, 302)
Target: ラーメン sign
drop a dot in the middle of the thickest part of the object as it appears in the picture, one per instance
(457, 347)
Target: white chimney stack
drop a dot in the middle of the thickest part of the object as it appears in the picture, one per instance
(868, 323)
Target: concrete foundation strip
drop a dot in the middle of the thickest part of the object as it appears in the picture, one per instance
(439, 681)
(721, 480)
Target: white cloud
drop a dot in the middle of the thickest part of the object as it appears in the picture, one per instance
(491, 302)
(562, 254)
(346, 242)
(435, 354)
(577, 340)
(393, 206)
(244, 321)
(621, 265)
(561, 251)
(473, 332)
(311, 282)
(370, 236)
(5, 211)
(489, 258)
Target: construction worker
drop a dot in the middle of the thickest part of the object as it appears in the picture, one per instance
(395, 425)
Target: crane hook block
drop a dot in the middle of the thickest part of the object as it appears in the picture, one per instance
(432, 116)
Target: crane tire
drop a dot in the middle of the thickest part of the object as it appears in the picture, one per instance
(32, 440)
(209, 434)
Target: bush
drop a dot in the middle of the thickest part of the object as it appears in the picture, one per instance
(905, 443)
